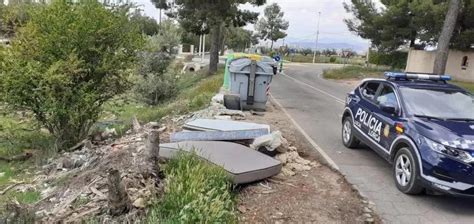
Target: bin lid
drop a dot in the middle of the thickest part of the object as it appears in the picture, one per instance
(242, 65)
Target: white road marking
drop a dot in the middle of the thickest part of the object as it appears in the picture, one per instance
(319, 90)
(325, 156)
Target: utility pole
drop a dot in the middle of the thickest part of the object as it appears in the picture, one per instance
(317, 38)
(200, 45)
(368, 55)
(203, 47)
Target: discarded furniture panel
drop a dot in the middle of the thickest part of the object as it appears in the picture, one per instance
(217, 135)
(223, 125)
(243, 164)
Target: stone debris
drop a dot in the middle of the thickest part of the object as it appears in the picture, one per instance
(293, 162)
(216, 109)
(73, 186)
(271, 142)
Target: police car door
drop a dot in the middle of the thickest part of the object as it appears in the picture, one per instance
(386, 97)
(364, 118)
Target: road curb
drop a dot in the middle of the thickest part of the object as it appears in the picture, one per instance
(324, 156)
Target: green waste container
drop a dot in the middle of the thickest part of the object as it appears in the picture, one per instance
(249, 82)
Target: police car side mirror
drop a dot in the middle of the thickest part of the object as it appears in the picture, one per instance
(388, 108)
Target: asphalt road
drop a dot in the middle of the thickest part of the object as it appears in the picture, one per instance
(316, 105)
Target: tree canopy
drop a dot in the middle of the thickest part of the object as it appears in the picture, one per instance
(146, 25)
(238, 38)
(272, 25)
(210, 16)
(408, 22)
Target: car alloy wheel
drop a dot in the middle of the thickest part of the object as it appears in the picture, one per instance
(403, 170)
(406, 171)
(346, 131)
(348, 138)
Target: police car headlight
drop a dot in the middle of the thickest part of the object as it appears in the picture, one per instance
(449, 151)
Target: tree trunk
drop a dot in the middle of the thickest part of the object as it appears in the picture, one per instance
(215, 45)
(119, 202)
(271, 46)
(445, 37)
(153, 151)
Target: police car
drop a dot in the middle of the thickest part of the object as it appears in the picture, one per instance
(420, 124)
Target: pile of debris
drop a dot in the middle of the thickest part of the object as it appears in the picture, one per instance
(114, 180)
(110, 182)
(216, 123)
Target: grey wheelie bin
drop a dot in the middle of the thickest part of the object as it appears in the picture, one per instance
(249, 84)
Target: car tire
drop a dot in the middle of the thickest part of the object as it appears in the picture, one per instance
(347, 134)
(406, 172)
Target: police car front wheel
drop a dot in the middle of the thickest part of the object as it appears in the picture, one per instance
(405, 171)
(348, 138)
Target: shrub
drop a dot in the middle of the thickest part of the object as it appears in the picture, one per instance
(153, 62)
(155, 88)
(306, 51)
(332, 59)
(396, 59)
(195, 192)
(66, 61)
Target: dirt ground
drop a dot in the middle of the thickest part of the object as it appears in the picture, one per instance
(320, 195)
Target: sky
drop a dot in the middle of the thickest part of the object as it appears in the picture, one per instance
(303, 18)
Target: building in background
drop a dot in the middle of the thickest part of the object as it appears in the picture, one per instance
(459, 64)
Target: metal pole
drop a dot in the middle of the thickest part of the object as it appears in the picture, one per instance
(368, 55)
(200, 44)
(317, 38)
(203, 47)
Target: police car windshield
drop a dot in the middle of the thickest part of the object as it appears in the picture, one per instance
(438, 103)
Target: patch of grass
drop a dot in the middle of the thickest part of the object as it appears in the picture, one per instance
(466, 85)
(20, 133)
(195, 192)
(324, 59)
(359, 72)
(28, 197)
(354, 72)
(195, 92)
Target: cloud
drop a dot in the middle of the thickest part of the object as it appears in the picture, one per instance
(303, 18)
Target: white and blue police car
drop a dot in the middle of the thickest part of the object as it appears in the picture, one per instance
(421, 124)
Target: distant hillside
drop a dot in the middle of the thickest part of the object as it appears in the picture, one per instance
(358, 47)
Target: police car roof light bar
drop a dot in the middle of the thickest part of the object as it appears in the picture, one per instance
(419, 76)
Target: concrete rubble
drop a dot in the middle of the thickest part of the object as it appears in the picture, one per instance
(74, 184)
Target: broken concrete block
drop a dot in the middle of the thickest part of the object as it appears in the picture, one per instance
(265, 140)
(218, 98)
(217, 135)
(271, 142)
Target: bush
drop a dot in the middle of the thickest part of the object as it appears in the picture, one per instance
(195, 192)
(154, 62)
(66, 62)
(396, 60)
(155, 88)
(332, 59)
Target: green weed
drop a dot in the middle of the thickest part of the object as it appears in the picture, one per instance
(195, 192)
